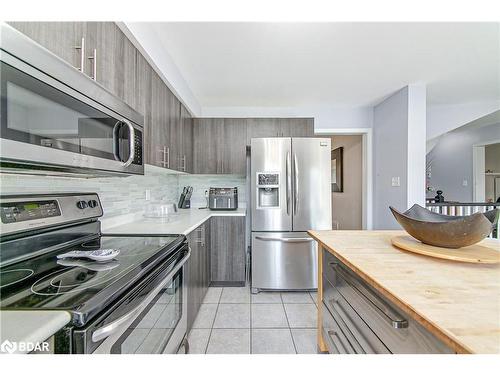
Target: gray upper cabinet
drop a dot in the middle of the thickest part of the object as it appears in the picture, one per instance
(143, 78)
(296, 127)
(174, 142)
(262, 128)
(234, 146)
(115, 60)
(187, 140)
(158, 151)
(208, 138)
(61, 38)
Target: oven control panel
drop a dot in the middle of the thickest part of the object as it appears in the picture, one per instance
(19, 213)
(29, 210)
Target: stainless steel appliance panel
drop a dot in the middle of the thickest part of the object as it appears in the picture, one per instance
(56, 119)
(312, 197)
(284, 261)
(272, 203)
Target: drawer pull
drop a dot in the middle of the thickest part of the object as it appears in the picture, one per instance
(385, 311)
(335, 338)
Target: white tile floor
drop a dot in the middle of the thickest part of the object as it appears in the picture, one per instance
(233, 321)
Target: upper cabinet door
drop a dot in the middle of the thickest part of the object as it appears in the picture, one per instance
(187, 140)
(143, 76)
(262, 128)
(296, 127)
(174, 141)
(61, 38)
(234, 147)
(159, 153)
(208, 135)
(114, 62)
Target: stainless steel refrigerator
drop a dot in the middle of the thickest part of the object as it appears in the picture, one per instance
(290, 194)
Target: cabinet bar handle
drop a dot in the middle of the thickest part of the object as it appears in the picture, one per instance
(94, 64)
(81, 47)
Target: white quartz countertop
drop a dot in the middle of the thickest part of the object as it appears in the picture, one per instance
(184, 222)
(21, 327)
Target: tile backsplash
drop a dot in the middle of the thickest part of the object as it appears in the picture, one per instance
(119, 195)
(125, 195)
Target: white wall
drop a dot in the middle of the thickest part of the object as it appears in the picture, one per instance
(325, 117)
(452, 161)
(398, 147)
(444, 118)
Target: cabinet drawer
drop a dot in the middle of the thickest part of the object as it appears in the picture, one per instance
(355, 328)
(334, 337)
(398, 332)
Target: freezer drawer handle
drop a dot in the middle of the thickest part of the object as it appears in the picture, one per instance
(112, 327)
(386, 312)
(295, 240)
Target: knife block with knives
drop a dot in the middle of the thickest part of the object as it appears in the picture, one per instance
(185, 198)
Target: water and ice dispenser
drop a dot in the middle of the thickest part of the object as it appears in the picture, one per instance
(268, 190)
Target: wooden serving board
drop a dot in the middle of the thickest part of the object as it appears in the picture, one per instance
(484, 253)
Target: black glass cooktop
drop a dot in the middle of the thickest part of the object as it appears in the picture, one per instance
(81, 286)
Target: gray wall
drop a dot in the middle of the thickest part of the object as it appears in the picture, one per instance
(390, 134)
(452, 161)
(347, 206)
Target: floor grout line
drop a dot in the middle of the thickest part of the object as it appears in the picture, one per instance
(213, 322)
(288, 322)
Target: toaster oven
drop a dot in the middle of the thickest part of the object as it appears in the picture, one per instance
(223, 198)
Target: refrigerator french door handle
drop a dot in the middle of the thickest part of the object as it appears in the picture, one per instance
(281, 239)
(296, 185)
(288, 182)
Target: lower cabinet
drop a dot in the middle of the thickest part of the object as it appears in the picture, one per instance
(227, 251)
(357, 319)
(197, 270)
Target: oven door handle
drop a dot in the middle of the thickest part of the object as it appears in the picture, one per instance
(109, 329)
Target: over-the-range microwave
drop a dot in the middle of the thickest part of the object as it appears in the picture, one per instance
(57, 120)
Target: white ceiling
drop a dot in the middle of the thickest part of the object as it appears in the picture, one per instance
(343, 64)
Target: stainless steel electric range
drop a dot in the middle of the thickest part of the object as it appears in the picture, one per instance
(134, 303)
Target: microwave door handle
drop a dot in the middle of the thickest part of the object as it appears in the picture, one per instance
(116, 140)
(131, 145)
(112, 327)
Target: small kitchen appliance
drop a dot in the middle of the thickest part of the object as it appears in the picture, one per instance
(223, 198)
(110, 303)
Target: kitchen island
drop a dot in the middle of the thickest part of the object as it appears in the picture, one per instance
(457, 303)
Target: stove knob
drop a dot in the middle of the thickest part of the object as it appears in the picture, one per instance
(81, 205)
(92, 203)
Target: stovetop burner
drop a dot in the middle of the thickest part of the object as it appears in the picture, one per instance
(11, 277)
(81, 286)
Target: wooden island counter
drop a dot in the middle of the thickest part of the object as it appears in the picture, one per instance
(458, 304)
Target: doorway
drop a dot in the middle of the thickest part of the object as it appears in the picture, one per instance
(352, 207)
(486, 171)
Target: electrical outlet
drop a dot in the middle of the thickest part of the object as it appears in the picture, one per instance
(396, 181)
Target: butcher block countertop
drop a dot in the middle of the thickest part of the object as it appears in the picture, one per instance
(457, 302)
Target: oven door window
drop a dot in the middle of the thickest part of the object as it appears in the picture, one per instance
(34, 112)
(151, 331)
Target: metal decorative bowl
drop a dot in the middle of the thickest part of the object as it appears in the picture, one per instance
(443, 230)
